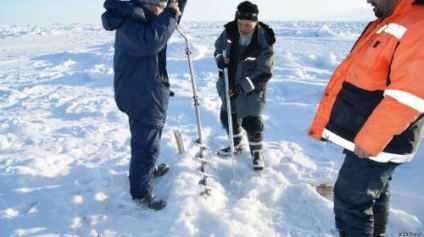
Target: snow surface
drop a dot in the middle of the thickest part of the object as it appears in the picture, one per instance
(64, 146)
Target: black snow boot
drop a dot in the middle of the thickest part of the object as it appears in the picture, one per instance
(258, 161)
(160, 170)
(256, 145)
(226, 152)
(238, 147)
(150, 203)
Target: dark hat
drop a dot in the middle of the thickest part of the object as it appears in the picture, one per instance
(247, 11)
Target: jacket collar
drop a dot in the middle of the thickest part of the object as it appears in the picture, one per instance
(401, 7)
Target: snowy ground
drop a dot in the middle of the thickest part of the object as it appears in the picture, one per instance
(64, 146)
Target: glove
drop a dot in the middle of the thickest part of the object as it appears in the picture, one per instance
(223, 62)
(235, 91)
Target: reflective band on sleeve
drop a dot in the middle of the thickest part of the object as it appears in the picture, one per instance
(250, 59)
(407, 99)
(217, 56)
(383, 157)
(394, 29)
(251, 83)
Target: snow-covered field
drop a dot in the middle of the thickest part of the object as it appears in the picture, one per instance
(64, 146)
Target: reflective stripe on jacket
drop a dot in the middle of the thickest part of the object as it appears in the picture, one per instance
(375, 98)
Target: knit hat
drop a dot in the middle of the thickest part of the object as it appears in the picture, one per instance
(247, 11)
(152, 2)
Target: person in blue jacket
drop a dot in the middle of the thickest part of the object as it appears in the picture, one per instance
(141, 83)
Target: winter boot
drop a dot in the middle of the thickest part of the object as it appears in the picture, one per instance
(258, 161)
(238, 147)
(160, 170)
(150, 203)
(256, 145)
(226, 152)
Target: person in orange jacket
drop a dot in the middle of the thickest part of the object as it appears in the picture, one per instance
(373, 107)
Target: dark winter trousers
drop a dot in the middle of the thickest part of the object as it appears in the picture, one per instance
(361, 196)
(144, 153)
(253, 125)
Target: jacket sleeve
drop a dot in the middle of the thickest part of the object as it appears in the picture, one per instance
(220, 45)
(139, 40)
(111, 22)
(404, 97)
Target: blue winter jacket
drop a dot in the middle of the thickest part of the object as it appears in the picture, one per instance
(141, 81)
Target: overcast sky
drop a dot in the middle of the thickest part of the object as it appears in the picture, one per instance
(89, 11)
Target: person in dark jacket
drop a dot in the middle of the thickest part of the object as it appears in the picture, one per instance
(141, 83)
(250, 60)
(373, 107)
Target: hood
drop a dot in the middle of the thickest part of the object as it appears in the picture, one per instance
(119, 11)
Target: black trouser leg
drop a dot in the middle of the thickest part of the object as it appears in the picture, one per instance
(145, 141)
(360, 196)
(381, 210)
(254, 128)
(236, 126)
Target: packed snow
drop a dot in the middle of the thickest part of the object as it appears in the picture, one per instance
(64, 146)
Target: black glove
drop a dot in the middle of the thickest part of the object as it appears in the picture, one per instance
(223, 62)
(235, 91)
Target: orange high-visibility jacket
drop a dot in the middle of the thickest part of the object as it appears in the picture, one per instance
(375, 98)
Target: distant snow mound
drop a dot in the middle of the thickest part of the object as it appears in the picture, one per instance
(328, 60)
(287, 57)
(8, 31)
(4, 142)
(326, 31)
